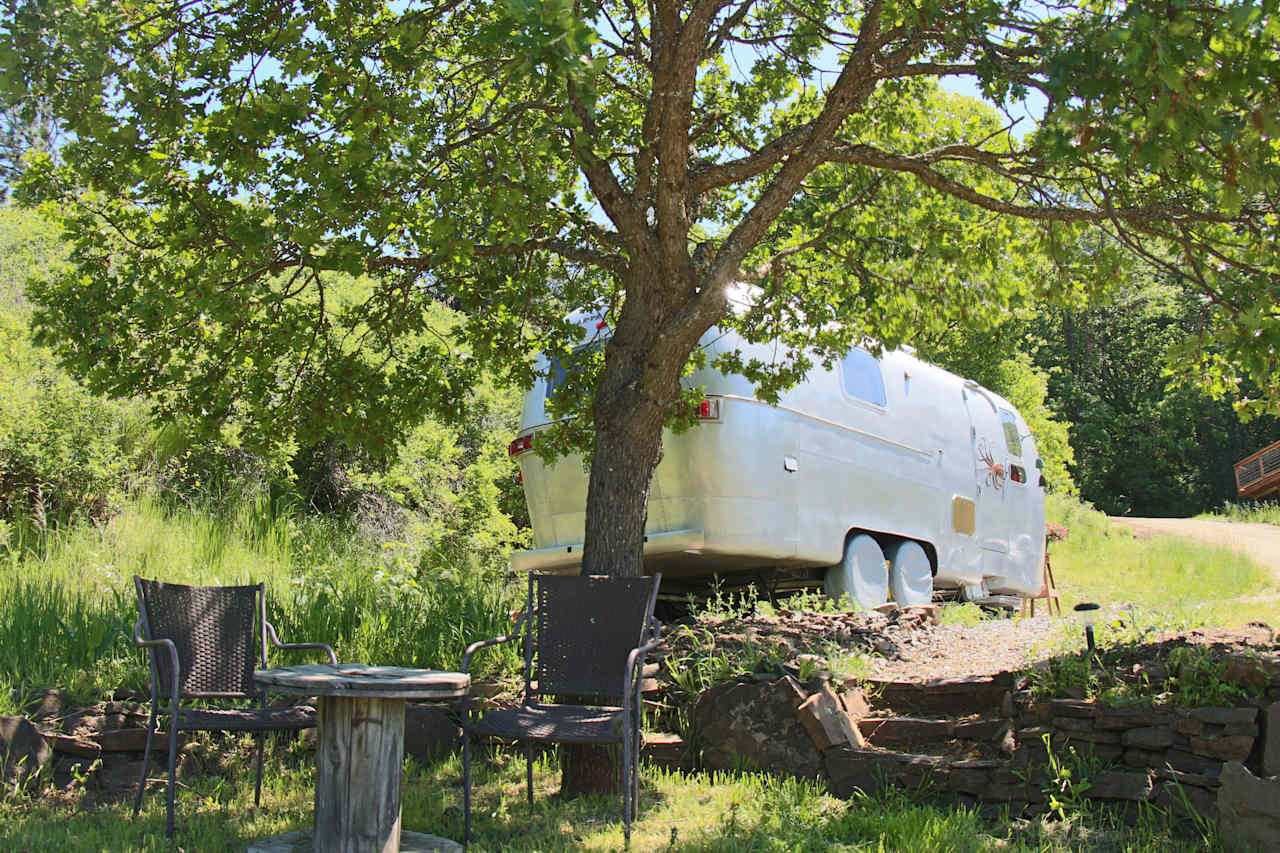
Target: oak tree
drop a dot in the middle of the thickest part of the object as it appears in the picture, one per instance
(523, 159)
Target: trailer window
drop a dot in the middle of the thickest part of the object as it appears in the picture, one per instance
(862, 377)
(1012, 439)
(558, 369)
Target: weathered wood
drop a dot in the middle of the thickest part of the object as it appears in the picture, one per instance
(362, 680)
(360, 748)
(359, 756)
(1258, 475)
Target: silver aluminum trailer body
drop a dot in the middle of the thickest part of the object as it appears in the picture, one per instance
(874, 452)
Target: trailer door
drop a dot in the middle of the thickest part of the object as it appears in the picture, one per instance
(986, 441)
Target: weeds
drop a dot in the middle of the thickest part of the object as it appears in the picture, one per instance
(1196, 679)
(966, 614)
(1069, 780)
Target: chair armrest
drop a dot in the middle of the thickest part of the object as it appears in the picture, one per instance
(634, 657)
(165, 643)
(275, 641)
(493, 641)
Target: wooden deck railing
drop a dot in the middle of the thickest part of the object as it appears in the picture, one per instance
(1259, 475)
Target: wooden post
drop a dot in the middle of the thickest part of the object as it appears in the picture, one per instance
(359, 762)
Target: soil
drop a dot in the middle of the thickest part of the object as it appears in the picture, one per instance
(910, 645)
(905, 645)
(991, 646)
(1259, 541)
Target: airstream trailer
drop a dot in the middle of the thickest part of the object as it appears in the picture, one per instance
(879, 478)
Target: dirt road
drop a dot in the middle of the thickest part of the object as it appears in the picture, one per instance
(1260, 541)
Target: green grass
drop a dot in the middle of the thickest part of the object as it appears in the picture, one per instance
(67, 604)
(1254, 513)
(696, 813)
(1164, 580)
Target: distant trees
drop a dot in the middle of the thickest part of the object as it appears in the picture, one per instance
(1148, 440)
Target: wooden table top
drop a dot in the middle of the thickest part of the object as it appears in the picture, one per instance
(358, 679)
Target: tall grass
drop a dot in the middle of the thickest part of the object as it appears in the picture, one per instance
(1175, 581)
(1255, 513)
(67, 603)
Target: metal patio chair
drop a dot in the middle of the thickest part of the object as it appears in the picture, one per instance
(585, 637)
(206, 636)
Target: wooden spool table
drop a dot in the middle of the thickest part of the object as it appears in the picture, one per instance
(360, 750)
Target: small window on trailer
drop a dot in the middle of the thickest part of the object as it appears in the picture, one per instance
(862, 379)
(1012, 438)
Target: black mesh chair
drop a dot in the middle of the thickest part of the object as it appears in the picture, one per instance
(201, 641)
(585, 637)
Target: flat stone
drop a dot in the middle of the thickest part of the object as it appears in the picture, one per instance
(976, 781)
(849, 770)
(664, 748)
(1271, 742)
(1197, 780)
(1189, 763)
(1072, 708)
(1071, 725)
(1152, 737)
(1094, 737)
(896, 731)
(23, 751)
(985, 730)
(1107, 753)
(1130, 719)
(1181, 799)
(45, 704)
(1187, 725)
(1239, 729)
(83, 722)
(1235, 748)
(1120, 785)
(824, 718)
(72, 745)
(946, 697)
(1224, 716)
(1249, 809)
(1143, 758)
(749, 725)
(854, 702)
(927, 612)
(429, 733)
(128, 740)
(410, 842)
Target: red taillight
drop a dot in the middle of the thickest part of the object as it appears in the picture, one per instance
(522, 444)
(707, 410)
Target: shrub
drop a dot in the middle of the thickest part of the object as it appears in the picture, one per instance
(64, 453)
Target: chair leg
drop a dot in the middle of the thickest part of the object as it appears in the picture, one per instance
(636, 741)
(257, 791)
(466, 785)
(626, 786)
(146, 762)
(528, 770)
(173, 772)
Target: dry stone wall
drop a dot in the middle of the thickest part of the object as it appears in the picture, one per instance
(979, 740)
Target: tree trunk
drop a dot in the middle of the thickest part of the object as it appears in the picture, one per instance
(638, 386)
(588, 768)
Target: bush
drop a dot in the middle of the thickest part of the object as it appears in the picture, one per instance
(64, 453)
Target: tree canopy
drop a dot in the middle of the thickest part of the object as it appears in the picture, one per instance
(524, 158)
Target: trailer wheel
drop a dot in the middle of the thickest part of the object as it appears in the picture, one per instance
(862, 574)
(910, 575)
